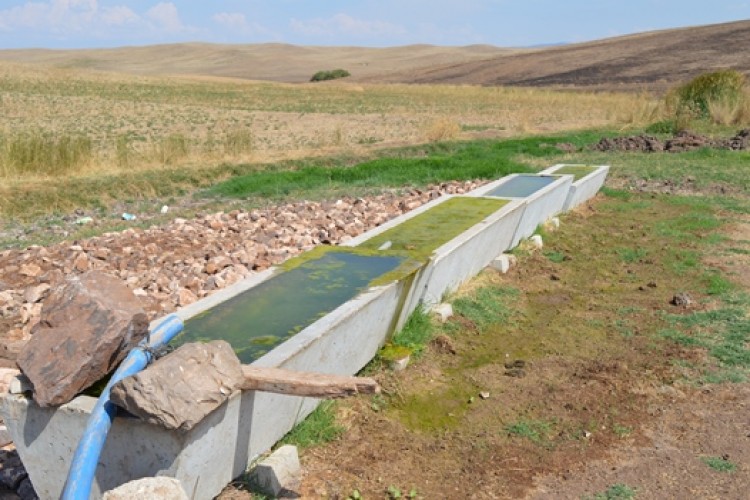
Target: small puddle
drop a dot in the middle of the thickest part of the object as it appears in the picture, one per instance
(264, 316)
(522, 186)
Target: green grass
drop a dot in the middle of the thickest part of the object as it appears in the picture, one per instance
(631, 255)
(257, 184)
(724, 333)
(427, 164)
(318, 428)
(536, 431)
(416, 333)
(486, 306)
(617, 491)
(554, 256)
(719, 464)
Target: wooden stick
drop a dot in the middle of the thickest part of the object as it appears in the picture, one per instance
(316, 385)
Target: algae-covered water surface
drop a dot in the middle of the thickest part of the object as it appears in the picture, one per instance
(421, 235)
(262, 317)
(522, 186)
(577, 171)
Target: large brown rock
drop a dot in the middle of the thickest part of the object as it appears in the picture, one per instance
(88, 325)
(180, 389)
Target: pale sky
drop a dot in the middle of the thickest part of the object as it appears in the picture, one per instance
(371, 23)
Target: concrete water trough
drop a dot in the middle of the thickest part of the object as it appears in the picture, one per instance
(543, 197)
(206, 458)
(360, 294)
(455, 237)
(587, 180)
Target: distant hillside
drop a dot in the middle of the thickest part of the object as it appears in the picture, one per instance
(269, 61)
(652, 60)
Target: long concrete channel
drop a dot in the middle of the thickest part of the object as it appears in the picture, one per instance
(359, 295)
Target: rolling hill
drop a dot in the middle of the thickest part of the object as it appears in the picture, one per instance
(646, 61)
(652, 60)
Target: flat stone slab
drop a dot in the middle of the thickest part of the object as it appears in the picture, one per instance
(180, 389)
(88, 324)
(154, 488)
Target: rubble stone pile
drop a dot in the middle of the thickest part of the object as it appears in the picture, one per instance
(187, 259)
(681, 142)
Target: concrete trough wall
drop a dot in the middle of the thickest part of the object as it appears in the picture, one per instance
(539, 206)
(206, 458)
(458, 259)
(465, 256)
(584, 188)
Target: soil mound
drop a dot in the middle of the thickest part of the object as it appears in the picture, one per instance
(684, 140)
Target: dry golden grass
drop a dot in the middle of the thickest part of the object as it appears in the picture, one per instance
(146, 123)
(731, 111)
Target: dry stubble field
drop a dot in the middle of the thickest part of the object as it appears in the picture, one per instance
(628, 411)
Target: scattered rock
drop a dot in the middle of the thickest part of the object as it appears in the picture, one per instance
(30, 270)
(88, 325)
(536, 241)
(180, 389)
(36, 293)
(681, 299)
(515, 372)
(156, 488)
(278, 473)
(443, 343)
(176, 253)
(399, 364)
(26, 490)
(12, 471)
(443, 312)
(682, 141)
(515, 368)
(5, 438)
(503, 262)
(484, 395)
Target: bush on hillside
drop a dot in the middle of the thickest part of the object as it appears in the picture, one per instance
(331, 74)
(705, 94)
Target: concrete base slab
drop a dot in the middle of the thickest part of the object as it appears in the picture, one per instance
(280, 471)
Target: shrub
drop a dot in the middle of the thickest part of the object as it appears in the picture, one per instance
(720, 89)
(331, 74)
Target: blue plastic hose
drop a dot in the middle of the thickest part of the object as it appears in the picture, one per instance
(86, 458)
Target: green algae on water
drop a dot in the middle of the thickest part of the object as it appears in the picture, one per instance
(577, 171)
(264, 316)
(522, 186)
(421, 235)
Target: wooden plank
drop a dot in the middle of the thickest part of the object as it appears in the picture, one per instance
(316, 385)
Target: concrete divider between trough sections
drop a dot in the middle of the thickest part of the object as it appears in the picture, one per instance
(540, 205)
